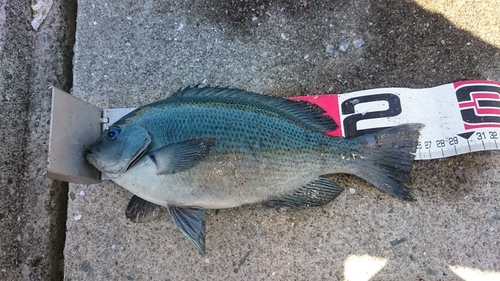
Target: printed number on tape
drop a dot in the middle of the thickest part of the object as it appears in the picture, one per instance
(459, 117)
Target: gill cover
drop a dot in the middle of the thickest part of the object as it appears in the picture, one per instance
(118, 147)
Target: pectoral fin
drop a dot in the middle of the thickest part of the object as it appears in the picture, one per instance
(191, 222)
(182, 155)
(140, 210)
(316, 193)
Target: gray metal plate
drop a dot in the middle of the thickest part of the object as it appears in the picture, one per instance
(74, 125)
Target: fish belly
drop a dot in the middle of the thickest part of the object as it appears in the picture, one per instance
(225, 181)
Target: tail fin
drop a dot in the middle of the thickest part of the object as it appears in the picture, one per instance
(388, 158)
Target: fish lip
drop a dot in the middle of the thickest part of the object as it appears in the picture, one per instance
(90, 158)
(138, 155)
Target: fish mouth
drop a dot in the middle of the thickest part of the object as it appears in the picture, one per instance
(90, 158)
(136, 157)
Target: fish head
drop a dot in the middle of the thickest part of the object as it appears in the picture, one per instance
(118, 148)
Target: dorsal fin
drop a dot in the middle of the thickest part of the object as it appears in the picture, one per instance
(306, 113)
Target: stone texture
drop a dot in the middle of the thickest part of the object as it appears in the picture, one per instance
(133, 52)
(32, 208)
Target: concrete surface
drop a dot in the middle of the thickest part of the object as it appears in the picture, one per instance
(32, 208)
(133, 52)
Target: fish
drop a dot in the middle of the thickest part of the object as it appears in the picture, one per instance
(212, 148)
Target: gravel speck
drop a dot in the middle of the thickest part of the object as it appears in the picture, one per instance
(358, 43)
(344, 46)
(85, 266)
(354, 101)
(431, 272)
(396, 242)
(330, 49)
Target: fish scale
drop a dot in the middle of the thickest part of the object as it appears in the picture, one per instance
(276, 141)
(230, 126)
(206, 148)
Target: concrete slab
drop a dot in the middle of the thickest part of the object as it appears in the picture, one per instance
(133, 52)
(32, 208)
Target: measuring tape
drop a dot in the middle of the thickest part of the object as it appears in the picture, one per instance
(459, 118)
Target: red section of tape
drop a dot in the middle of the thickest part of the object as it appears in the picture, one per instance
(475, 82)
(481, 126)
(329, 103)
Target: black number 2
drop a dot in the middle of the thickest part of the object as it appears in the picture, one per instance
(350, 122)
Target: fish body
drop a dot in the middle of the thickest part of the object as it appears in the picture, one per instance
(206, 148)
(256, 157)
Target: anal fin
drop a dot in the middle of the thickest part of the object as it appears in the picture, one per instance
(140, 210)
(316, 193)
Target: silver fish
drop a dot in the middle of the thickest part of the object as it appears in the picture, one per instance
(212, 148)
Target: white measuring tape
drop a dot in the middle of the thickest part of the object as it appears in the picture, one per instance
(459, 118)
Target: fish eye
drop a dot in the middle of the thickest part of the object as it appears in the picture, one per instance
(112, 134)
